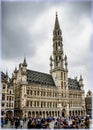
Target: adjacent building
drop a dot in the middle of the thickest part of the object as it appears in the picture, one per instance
(88, 103)
(7, 102)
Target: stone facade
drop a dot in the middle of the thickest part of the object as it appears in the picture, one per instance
(54, 94)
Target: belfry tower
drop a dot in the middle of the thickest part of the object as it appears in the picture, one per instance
(59, 70)
(58, 62)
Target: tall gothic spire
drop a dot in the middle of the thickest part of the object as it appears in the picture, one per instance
(56, 22)
(57, 45)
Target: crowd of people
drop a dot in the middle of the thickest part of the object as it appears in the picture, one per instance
(59, 123)
(76, 122)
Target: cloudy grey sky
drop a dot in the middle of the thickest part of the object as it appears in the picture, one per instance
(27, 29)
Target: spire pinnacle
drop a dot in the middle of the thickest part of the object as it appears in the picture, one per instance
(56, 13)
(24, 62)
(56, 22)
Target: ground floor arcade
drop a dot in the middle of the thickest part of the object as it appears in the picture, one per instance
(47, 113)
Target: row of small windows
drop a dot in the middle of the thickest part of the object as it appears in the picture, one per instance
(38, 93)
(76, 103)
(41, 104)
(9, 98)
(8, 104)
(74, 96)
(44, 104)
(42, 93)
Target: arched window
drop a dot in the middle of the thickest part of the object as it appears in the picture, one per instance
(30, 103)
(10, 91)
(62, 84)
(64, 76)
(41, 104)
(61, 75)
(37, 92)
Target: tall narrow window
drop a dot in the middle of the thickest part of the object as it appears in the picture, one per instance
(31, 92)
(31, 103)
(61, 75)
(64, 76)
(41, 104)
(28, 92)
(62, 84)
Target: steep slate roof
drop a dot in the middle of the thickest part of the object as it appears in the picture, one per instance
(40, 78)
(46, 79)
(73, 84)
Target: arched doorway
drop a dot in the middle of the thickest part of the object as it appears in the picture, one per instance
(9, 114)
(40, 113)
(63, 113)
(58, 113)
(43, 113)
(53, 113)
(33, 114)
(47, 113)
(29, 114)
(37, 114)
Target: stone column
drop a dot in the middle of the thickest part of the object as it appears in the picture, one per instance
(46, 104)
(52, 104)
(67, 112)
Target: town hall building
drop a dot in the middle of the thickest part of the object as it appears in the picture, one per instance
(54, 94)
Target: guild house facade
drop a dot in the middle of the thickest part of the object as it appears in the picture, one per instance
(54, 94)
(8, 96)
